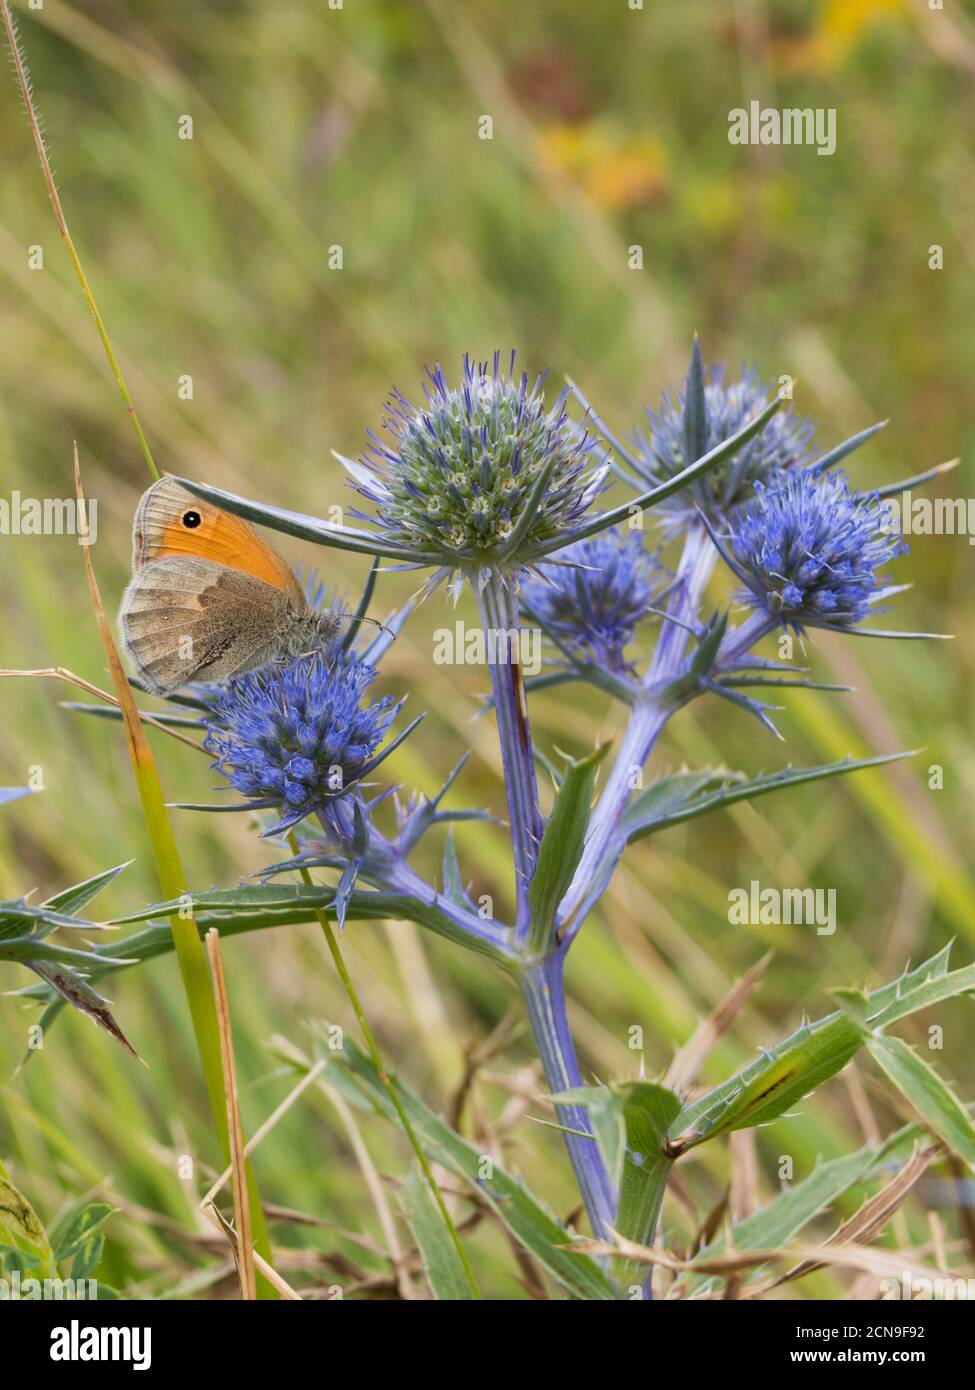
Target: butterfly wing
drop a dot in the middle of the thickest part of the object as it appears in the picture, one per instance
(186, 619)
(171, 523)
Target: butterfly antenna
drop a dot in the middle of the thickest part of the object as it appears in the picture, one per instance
(362, 619)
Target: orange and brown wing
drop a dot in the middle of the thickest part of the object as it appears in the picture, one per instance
(170, 522)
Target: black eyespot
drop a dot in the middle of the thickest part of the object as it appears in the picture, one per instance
(191, 519)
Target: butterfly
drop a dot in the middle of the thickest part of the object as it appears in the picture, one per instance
(209, 598)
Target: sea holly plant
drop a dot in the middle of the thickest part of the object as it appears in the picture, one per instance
(488, 485)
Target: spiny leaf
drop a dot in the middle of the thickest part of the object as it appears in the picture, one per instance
(74, 899)
(931, 1097)
(769, 1086)
(646, 815)
(80, 995)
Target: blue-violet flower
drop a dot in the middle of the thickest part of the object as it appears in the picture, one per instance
(594, 601)
(457, 477)
(297, 735)
(809, 550)
(782, 444)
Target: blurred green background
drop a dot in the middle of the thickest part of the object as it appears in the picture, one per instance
(358, 128)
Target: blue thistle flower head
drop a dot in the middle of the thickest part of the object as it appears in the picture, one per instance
(810, 551)
(782, 444)
(459, 474)
(297, 735)
(594, 601)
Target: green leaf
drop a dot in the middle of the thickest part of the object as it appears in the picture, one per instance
(776, 1223)
(709, 639)
(20, 918)
(87, 1257)
(648, 1112)
(28, 950)
(21, 1230)
(562, 842)
(935, 968)
(668, 795)
(528, 1220)
(80, 1228)
(437, 1251)
(931, 1097)
(605, 1110)
(767, 1087)
(661, 805)
(72, 900)
(630, 1120)
(915, 994)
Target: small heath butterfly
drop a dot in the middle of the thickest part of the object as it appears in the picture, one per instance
(209, 598)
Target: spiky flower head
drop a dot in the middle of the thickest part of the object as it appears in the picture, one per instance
(481, 469)
(297, 735)
(810, 551)
(593, 599)
(662, 450)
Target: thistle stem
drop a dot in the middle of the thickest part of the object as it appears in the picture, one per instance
(498, 607)
(648, 718)
(543, 991)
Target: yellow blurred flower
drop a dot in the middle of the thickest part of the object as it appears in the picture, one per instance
(838, 28)
(616, 171)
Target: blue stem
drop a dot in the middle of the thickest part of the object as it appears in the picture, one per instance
(647, 720)
(544, 995)
(498, 607)
(384, 866)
